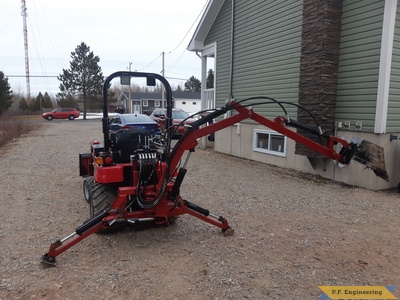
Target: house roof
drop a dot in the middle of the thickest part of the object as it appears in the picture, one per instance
(207, 20)
(157, 96)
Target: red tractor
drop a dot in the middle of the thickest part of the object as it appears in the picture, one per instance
(134, 176)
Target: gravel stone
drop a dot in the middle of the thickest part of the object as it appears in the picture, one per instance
(293, 231)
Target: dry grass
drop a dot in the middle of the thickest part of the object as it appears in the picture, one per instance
(12, 127)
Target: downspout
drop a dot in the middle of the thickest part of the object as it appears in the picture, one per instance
(231, 58)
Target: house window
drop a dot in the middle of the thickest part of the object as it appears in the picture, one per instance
(183, 102)
(268, 141)
(157, 103)
(145, 102)
(194, 103)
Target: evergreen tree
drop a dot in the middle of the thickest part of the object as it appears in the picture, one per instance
(23, 105)
(192, 85)
(210, 79)
(36, 103)
(67, 101)
(47, 103)
(84, 78)
(5, 94)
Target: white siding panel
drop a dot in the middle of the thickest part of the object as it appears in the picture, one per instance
(393, 117)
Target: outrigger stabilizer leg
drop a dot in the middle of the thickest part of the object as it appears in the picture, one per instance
(83, 231)
(107, 218)
(204, 214)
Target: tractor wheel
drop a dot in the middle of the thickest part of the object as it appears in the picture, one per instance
(100, 197)
(87, 185)
(71, 117)
(49, 118)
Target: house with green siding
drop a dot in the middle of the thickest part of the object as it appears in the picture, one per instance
(339, 59)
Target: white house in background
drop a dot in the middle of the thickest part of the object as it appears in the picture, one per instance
(188, 101)
(145, 103)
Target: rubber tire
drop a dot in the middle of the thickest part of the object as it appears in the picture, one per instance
(87, 184)
(49, 118)
(71, 117)
(102, 196)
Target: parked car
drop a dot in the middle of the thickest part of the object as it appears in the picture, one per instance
(62, 113)
(138, 121)
(178, 116)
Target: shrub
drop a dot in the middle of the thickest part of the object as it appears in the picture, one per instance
(13, 127)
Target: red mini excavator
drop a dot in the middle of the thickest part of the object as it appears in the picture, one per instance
(134, 176)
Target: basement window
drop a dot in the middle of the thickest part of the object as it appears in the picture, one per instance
(270, 142)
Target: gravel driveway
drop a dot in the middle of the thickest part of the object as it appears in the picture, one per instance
(293, 232)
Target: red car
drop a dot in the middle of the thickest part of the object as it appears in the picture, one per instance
(62, 113)
(178, 116)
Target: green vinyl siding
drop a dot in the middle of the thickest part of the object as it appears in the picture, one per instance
(393, 116)
(220, 34)
(266, 51)
(360, 46)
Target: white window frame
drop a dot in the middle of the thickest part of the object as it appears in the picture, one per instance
(145, 103)
(257, 148)
(156, 103)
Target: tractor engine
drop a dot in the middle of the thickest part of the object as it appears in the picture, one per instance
(128, 142)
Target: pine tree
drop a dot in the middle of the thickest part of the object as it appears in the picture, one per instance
(192, 85)
(36, 103)
(84, 78)
(67, 101)
(47, 103)
(210, 79)
(23, 105)
(5, 94)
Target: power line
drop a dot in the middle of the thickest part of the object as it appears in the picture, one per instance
(195, 21)
(52, 76)
(151, 62)
(39, 76)
(176, 78)
(183, 52)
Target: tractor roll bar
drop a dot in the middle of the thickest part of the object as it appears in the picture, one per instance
(150, 77)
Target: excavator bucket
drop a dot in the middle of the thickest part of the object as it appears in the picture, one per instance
(372, 156)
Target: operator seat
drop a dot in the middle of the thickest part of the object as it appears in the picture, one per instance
(126, 142)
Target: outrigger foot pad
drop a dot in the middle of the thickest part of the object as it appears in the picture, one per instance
(48, 261)
(228, 231)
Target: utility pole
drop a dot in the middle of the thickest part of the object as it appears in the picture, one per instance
(28, 85)
(129, 92)
(162, 86)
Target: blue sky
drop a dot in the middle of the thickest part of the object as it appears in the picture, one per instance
(119, 32)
